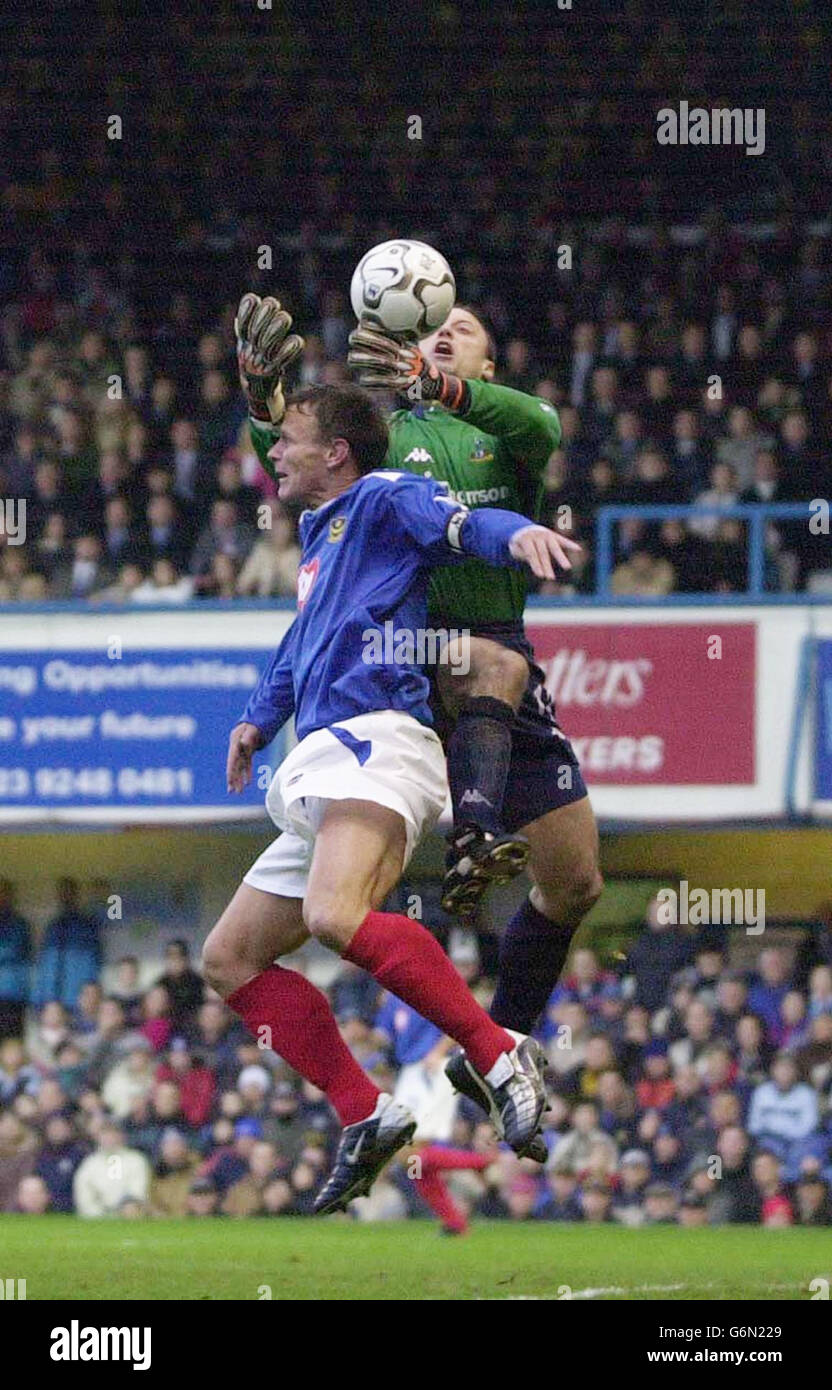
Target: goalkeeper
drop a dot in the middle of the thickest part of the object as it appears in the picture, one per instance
(516, 786)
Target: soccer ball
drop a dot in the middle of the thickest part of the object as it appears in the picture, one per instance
(404, 287)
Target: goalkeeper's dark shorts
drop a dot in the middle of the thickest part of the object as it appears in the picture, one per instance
(544, 773)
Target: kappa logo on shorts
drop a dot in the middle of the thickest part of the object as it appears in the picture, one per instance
(336, 529)
(307, 574)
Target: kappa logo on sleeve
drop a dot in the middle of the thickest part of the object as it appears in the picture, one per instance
(307, 574)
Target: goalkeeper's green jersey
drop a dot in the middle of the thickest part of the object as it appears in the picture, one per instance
(494, 456)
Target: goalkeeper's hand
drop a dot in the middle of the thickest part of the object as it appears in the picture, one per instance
(265, 348)
(394, 364)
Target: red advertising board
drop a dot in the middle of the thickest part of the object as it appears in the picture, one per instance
(662, 703)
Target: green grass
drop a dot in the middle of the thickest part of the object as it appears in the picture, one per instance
(63, 1258)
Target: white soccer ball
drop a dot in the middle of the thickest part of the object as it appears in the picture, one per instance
(404, 287)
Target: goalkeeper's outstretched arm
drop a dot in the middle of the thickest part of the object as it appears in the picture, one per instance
(527, 426)
(265, 349)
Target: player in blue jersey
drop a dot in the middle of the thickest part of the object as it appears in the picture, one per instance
(365, 780)
(507, 757)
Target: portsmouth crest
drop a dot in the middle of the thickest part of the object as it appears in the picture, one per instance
(336, 528)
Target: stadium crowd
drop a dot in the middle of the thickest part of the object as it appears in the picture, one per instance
(685, 1089)
(690, 363)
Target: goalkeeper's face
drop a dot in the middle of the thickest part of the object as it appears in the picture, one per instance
(460, 347)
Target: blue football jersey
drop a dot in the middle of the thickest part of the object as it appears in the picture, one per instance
(412, 1036)
(365, 561)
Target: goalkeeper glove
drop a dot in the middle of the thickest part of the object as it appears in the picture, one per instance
(397, 365)
(265, 348)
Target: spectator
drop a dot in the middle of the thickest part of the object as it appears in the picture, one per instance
(271, 569)
(18, 1155)
(657, 1088)
(660, 951)
(203, 1198)
(740, 447)
(111, 1042)
(60, 1156)
(753, 1052)
(189, 467)
(126, 989)
(129, 1080)
(157, 1025)
(195, 1081)
(561, 1201)
(814, 1056)
(50, 1035)
(225, 535)
(15, 963)
(32, 1196)
(693, 1210)
(735, 1199)
(574, 1149)
(87, 573)
(783, 1110)
(596, 1201)
(628, 1202)
(128, 583)
(643, 576)
(812, 1203)
(775, 1207)
(173, 1175)
(17, 1075)
(245, 1196)
(167, 532)
(661, 1204)
(723, 492)
(769, 989)
(152, 1114)
(185, 987)
(110, 1175)
(165, 585)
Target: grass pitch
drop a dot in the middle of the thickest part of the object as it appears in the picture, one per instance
(335, 1259)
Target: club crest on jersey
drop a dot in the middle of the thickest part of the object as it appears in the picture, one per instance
(479, 453)
(336, 528)
(307, 574)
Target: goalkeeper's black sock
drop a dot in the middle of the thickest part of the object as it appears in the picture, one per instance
(479, 754)
(533, 953)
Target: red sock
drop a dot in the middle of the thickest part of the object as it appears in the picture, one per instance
(304, 1033)
(403, 956)
(435, 1159)
(441, 1203)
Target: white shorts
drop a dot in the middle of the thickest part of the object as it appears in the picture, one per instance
(387, 757)
(432, 1099)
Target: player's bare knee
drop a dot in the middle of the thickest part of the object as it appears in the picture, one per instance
(570, 900)
(222, 967)
(331, 920)
(499, 672)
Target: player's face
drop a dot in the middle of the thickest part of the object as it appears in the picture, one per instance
(460, 346)
(300, 459)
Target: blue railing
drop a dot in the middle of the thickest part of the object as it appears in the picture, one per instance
(757, 516)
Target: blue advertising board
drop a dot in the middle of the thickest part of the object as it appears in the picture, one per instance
(823, 722)
(134, 733)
